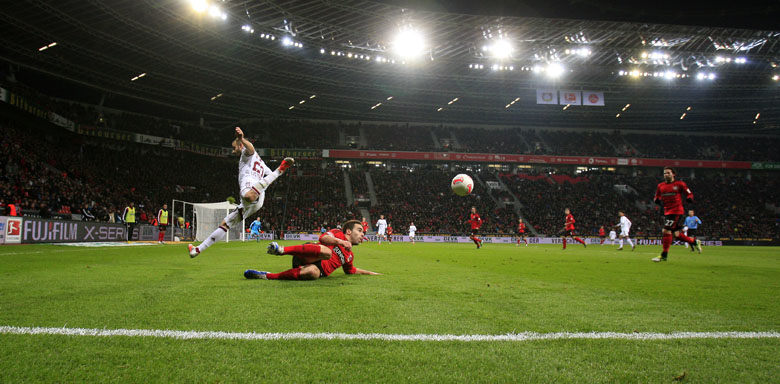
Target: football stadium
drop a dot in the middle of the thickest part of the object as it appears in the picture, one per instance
(389, 191)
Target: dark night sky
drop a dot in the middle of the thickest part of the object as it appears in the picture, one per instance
(736, 14)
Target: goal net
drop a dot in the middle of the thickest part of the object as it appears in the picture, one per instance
(206, 217)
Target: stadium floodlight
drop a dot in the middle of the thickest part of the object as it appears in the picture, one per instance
(291, 107)
(312, 96)
(757, 116)
(389, 98)
(700, 76)
(287, 41)
(670, 75)
(216, 12)
(776, 77)
(499, 49)
(45, 47)
(617, 116)
(689, 108)
(408, 43)
(199, 6)
(138, 77)
(247, 28)
(555, 70)
(740, 60)
(683, 116)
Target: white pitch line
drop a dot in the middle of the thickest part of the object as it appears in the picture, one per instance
(524, 336)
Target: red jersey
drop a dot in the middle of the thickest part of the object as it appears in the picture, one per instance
(521, 228)
(670, 194)
(365, 226)
(341, 257)
(475, 221)
(389, 230)
(601, 232)
(570, 222)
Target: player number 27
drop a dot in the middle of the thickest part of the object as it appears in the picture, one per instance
(669, 223)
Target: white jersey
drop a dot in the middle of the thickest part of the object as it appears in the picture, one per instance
(612, 235)
(381, 226)
(251, 169)
(625, 225)
(412, 230)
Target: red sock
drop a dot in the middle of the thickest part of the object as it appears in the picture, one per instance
(602, 241)
(666, 241)
(579, 240)
(303, 250)
(686, 239)
(526, 241)
(290, 274)
(161, 236)
(564, 243)
(518, 241)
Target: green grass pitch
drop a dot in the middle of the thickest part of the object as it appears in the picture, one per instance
(425, 289)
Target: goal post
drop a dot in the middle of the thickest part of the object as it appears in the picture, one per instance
(206, 217)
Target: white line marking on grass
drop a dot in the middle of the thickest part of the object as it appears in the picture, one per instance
(525, 336)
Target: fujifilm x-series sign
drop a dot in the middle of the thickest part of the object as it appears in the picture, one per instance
(60, 231)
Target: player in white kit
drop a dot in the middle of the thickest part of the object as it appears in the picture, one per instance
(254, 177)
(625, 226)
(612, 236)
(381, 227)
(412, 230)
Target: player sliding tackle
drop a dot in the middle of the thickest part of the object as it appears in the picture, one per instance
(254, 177)
(669, 195)
(312, 261)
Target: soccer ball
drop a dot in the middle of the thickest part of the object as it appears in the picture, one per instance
(462, 184)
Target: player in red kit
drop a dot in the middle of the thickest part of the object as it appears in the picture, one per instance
(364, 223)
(521, 232)
(568, 230)
(389, 233)
(669, 194)
(602, 234)
(476, 223)
(312, 261)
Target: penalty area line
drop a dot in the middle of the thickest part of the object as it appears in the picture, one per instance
(511, 337)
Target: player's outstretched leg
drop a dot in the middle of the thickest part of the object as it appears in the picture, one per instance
(215, 236)
(252, 274)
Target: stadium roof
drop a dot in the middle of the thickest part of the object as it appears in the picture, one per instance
(242, 59)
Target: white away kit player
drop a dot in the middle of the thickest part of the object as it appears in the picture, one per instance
(254, 177)
(381, 227)
(625, 226)
(412, 230)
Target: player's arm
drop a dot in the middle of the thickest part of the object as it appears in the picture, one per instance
(686, 192)
(249, 149)
(657, 198)
(328, 239)
(359, 271)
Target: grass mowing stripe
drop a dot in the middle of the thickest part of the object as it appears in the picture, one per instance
(524, 336)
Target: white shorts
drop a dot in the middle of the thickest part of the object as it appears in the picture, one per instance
(380, 232)
(411, 234)
(612, 235)
(248, 209)
(624, 231)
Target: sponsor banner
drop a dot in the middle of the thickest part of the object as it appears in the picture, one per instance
(62, 121)
(3, 223)
(570, 97)
(62, 231)
(155, 140)
(25, 105)
(302, 236)
(486, 239)
(3, 95)
(546, 96)
(203, 149)
(261, 236)
(762, 165)
(592, 98)
(533, 159)
(294, 153)
(13, 230)
(105, 133)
